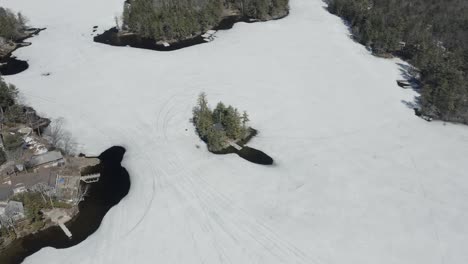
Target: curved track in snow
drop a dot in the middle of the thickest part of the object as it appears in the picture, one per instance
(359, 178)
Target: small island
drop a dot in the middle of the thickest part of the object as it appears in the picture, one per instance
(225, 130)
(170, 25)
(221, 128)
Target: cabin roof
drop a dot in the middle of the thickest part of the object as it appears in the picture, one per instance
(45, 158)
(5, 192)
(28, 180)
(218, 127)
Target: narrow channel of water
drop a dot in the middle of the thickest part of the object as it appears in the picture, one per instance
(113, 185)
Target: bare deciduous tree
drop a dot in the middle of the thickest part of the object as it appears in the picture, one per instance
(59, 137)
(43, 189)
(7, 220)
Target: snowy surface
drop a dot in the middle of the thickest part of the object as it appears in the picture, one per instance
(358, 178)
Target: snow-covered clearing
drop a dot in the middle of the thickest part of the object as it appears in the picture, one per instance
(358, 178)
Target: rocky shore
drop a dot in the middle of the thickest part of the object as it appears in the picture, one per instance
(124, 36)
(8, 63)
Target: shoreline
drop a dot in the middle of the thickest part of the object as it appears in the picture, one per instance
(114, 37)
(113, 186)
(248, 153)
(66, 223)
(9, 64)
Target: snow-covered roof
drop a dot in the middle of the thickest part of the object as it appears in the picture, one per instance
(45, 158)
(5, 192)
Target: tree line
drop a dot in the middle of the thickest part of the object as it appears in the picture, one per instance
(11, 25)
(431, 35)
(8, 94)
(11, 112)
(217, 126)
(181, 19)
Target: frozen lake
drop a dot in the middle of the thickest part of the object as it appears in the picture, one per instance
(358, 178)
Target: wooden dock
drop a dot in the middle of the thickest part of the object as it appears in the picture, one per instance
(92, 178)
(65, 229)
(234, 144)
(59, 217)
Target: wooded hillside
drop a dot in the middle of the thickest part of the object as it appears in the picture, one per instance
(11, 24)
(432, 35)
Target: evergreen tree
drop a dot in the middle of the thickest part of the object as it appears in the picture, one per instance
(216, 127)
(216, 139)
(203, 116)
(219, 113)
(8, 94)
(11, 25)
(3, 157)
(232, 123)
(177, 20)
(16, 114)
(245, 118)
(434, 38)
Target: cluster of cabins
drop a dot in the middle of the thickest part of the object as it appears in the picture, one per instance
(49, 173)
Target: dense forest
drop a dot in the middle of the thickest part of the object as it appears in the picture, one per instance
(176, 20)
(430, 34)
(11, 25)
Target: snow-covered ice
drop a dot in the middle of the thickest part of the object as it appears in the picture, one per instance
(358, 178)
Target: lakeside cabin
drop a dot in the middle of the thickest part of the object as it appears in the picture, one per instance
(49, 159)
(28, 181)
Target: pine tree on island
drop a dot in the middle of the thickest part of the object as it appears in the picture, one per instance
(221, 125)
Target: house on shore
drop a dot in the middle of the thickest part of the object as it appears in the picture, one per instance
(46, 160)
(43, 180)
(68, 188)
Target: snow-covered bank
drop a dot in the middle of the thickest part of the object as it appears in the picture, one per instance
(359, 178)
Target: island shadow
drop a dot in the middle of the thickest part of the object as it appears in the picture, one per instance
(113, 185)
(250, 154)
